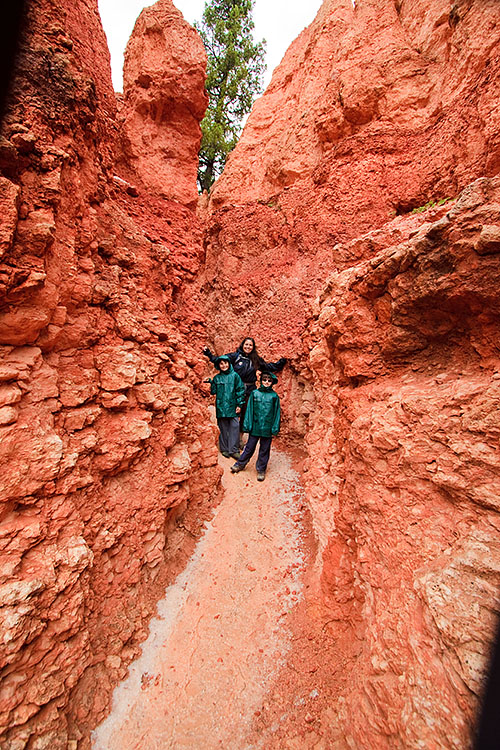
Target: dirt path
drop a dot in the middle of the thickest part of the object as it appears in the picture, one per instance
(221, 634)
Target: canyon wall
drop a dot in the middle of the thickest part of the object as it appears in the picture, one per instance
(374, 111)
(404, 476)
(356, 230)
(108, 461)
(315, 243)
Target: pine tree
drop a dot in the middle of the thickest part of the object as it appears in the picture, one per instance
(234, 77)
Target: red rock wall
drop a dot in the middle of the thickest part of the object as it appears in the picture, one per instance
(108, 462)
(164, 102)
(391, 320)
(404, 475)
(374, 111)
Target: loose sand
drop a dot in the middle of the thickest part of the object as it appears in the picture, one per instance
(222, 632)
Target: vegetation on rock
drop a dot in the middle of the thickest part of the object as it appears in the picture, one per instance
(234, 77)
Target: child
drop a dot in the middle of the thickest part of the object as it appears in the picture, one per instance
(262, 422)
(229, 396)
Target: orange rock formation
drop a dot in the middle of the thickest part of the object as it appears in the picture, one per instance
(390, 319)
(164, 102)
(374, 111)
(108, 462)
(404, 451)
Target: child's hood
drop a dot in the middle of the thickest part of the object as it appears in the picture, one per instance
(269, 375)
(223, 358)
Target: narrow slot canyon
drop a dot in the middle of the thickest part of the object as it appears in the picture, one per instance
(149, 598)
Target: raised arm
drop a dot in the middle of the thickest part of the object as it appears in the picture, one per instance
(273, 366)
(212, 357)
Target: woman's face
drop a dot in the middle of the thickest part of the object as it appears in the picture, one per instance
(248, 346)
(224, 365)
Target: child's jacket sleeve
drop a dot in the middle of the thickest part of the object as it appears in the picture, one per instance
(277, 417)
(213, 387)
(240, 390)
(248, 420)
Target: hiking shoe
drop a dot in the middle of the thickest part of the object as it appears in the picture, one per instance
(235, 468)
(226, 454)
(260, 476)
(236, 455)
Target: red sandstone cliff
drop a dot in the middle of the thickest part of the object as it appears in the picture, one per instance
(107, 459)
(374, 111)
(358, 94)
(164, 102)
(391, 320)
(404, 475)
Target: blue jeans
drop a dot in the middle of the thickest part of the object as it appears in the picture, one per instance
(249, 450)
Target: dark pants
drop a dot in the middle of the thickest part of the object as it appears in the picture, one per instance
(249, 450)
(229, 437)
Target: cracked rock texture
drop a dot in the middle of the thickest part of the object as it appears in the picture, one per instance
(390, 318)
(404, 476)
(164, 101)
(374, 111)
(108, 459)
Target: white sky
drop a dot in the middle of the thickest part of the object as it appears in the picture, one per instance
(277, 21)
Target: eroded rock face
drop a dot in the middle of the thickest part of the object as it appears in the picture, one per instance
(164, 102)
(374, 111)
(404, 475)
(106, 454)
(108, 459)
(313, 247)
(360, 93)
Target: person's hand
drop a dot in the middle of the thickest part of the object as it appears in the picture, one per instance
(207, 352)
(238, 410)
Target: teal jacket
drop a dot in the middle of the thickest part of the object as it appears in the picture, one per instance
(263, 414)
(229, 393)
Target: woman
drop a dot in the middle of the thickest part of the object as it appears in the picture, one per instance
(248, 363)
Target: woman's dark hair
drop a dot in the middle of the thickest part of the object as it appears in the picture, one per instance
(254, 355)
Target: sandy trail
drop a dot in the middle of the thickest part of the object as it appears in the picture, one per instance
(221, 633)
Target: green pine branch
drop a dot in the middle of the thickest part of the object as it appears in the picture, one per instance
(234, 78)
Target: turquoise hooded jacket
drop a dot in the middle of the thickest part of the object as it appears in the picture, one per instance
(229, 392)
(263, 414)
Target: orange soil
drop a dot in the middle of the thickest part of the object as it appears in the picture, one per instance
(223, 637)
